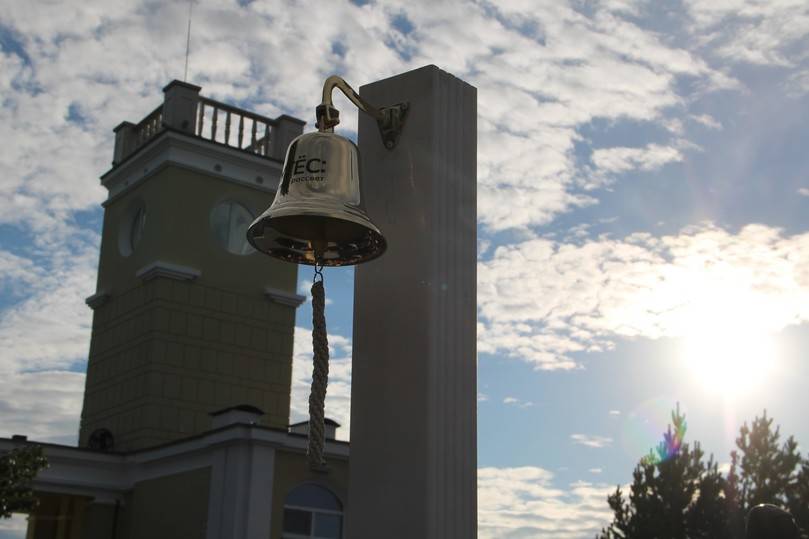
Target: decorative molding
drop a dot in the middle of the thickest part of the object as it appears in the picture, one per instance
(108, 476)
(283, 297)
(97, 300)
(171, 147)
(167, 270)
(234, 415)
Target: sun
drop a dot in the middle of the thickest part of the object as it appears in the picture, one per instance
(730, 361)
(728, 326)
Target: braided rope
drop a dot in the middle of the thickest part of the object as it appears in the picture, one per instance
(320, 377)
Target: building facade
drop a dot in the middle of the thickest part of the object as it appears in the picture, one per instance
(185, 424)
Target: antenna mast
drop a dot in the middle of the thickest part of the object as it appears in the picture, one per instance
(188, 40)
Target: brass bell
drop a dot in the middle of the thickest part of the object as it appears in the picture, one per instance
(317, 217)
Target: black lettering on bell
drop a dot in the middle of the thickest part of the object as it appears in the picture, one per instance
(288, 168)
(309, 166)
(300, 162)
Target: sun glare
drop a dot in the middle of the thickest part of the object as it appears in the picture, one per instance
(729, 362)
(728, 324)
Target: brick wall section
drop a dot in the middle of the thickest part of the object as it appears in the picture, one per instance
(167, 353)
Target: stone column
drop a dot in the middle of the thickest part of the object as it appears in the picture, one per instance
(240, 498)
(180, 106)
(285, 129)
(123, 141)
(413, 461)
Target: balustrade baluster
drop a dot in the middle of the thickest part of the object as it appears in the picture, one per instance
(227, 128)
(201, 118)
(241, 129)
(213, 123)
(266, 150)
(253, 140)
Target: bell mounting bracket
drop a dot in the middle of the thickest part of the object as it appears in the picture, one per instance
(389, 119)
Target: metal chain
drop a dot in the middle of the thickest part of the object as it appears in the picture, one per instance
(320, 374)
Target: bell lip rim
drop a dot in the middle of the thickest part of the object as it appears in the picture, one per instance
(368, 258)
(363, 260)
(371, 256)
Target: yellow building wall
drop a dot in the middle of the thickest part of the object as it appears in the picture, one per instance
(170, 507)
(165, 353)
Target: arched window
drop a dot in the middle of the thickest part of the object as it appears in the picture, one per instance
(312, 512)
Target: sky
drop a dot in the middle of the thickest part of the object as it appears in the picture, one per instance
(643, 233)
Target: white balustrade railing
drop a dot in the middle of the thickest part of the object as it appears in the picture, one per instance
(231, 126)
(213, 121)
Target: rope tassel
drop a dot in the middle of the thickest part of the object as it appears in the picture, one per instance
(320, 375)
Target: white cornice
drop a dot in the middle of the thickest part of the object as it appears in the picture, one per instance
(159, 268)
(97, 300)
(283, 297)
(108, 476)
(194, 153)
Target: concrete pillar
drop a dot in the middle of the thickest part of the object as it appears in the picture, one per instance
(240, 498)
(413, 396)
(123, 141)
(180, 106)
(285, 129)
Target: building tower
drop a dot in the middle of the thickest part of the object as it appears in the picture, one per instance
(188, 319)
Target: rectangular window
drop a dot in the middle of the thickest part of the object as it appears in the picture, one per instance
(298, 522)
(328, 526)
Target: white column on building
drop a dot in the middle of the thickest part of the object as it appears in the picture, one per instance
(240, 500)
(413, 397)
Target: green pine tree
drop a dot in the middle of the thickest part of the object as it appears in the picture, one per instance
(768, 470)
(798, 499)
(18, 468)
(674, 494)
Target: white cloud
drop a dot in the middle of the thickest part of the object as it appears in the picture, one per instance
(707, 120)
(536, 88)
(49, 328)
(804, 191)
(798, 83)
(513, 401)
(522, 503)
(768, 33)
(45, 405)
(650, 157)
(45, 333)
(482, 397)
(542, 301)
(591, 440)
(595, 470)
(615, 412)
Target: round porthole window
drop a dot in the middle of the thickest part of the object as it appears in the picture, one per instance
(229, 222)
(132, 230)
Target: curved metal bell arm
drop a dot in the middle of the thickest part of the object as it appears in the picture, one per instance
(331, 120)
(390, 119)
